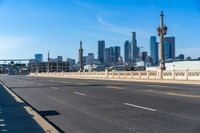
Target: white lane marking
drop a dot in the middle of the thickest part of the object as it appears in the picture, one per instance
(114, 87)
(52, 80)
(78, 93)
(40, 84)
(54, 88)
(64, 82)
(1, 120)
(158, 86)
(150, 90)
(2, 125)
(141, 107)
(4, 130)
(81, 83)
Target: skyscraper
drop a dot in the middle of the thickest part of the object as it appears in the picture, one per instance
(154, 50)
(117, 53)
(127, 51)
(134, 48)
(112, 57)
(101, 47)
(38, 57)
(169, 47)
(107, 56)
(144, 56)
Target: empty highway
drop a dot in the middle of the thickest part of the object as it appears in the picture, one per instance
(99, 106)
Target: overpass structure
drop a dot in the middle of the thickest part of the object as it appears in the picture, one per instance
(11, 60)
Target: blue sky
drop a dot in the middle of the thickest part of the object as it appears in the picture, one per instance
(36, 26)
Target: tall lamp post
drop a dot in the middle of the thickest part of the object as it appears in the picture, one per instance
(162, 30)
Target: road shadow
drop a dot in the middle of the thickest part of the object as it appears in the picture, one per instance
(48, 113)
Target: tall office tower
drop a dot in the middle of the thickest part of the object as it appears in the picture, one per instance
(127, 51)
(154, 50)
(144, 56)
(169, 47)
(112, 56)
(101, 47)
(81, 57)
(117, 53)
(38, 57)
(134, 48)
(107, 56)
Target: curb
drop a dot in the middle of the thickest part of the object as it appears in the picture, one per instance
(43, 122)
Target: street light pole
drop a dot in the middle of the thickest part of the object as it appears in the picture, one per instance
(162, 30)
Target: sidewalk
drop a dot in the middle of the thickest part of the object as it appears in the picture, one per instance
(17, 117)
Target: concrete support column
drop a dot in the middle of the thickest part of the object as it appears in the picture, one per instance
(173, 74)
(147, 74)
(186, 74)
(139, 73)
(124, 74)
(106, 73)
(131, 75)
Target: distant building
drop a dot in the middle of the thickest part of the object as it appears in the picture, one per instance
(112, 56)
(90, 58)
(117, 53)
(154, 50)
(101, 47)
(72, 63)
(134, 48)
(144, 56)
(52, 66)
(84, 60)
(181, 57)
(107, 57)
(127, 51)
(59, 58)
(188, 58)
(169, 47)
(38, 57)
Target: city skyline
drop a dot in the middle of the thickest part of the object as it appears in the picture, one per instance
(56, 27)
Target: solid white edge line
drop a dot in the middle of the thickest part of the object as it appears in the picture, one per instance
(78, 93)
(141, 107)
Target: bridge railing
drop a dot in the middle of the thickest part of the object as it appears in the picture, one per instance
(156, 74)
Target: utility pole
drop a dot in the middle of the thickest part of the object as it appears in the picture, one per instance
(81, 57)
(162, 30)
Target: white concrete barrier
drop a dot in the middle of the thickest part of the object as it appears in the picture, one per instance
(165, 75)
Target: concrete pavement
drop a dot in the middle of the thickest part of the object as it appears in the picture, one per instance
(101, 106)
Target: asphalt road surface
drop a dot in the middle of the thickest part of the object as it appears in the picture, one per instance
(98, 106)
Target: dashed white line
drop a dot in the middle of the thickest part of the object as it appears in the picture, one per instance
(1, 120)
(40, 84)
(2, 125)
(158, 86)
(114, 87)
(81, 83)
(78, 93)
(150, 90)
(4, 130)
(141, 107)
(54, 88)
